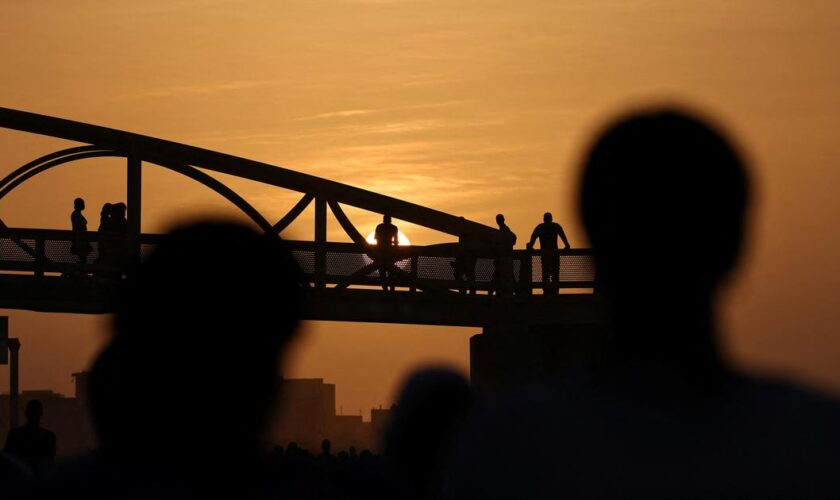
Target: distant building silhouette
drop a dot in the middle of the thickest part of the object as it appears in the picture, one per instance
(306, 406)
(380, 419)
(308, 415)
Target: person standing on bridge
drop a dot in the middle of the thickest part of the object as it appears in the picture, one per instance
(506, 244)
(548, 232)
(79, 246)
(387, 238)
(105, 243)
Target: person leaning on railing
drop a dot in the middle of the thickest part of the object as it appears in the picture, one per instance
(548, 232)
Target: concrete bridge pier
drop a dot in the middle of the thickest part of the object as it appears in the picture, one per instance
(503, 357)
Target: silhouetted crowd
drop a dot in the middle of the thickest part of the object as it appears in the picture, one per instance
(111, 235)
(661, 414)
(463, 265)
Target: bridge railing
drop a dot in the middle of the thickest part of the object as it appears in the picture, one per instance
(41, 252)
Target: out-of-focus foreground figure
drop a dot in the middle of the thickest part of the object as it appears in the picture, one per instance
(182, 393)
(664, 199)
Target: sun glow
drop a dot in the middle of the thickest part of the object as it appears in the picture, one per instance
(402, 239)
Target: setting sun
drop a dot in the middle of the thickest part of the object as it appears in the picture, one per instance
(402, 239)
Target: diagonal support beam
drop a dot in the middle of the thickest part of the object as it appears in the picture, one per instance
(345, 224)
(361, 272)
(293, 214)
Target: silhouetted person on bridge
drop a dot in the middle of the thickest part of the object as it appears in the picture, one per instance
(181, 395)
(79, 246)
(32, 444)
(105, 234)
(463, 267)
(665, 417)
(117, 236)
(548, 232)
(119, 223)
(387, 239)
(105, 218)
(503, 254)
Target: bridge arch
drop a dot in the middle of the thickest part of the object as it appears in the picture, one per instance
(169, 153)
(326, 195)
(65, 156)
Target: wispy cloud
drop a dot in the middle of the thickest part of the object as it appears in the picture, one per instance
(206, 89)
(338, 114)
(372, 111)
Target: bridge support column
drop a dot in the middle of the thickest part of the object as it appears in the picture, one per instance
(320, 241)
(134, 194)
(14, 385)
(505, 357)
(134, 202)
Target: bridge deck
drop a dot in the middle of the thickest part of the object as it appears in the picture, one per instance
(38, 272)
(67, 295)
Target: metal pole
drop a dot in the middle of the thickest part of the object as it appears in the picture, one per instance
(134, 204)
(14, 349)
(134, 198)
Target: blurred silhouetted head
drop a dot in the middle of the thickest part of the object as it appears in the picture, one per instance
(386, 219)
(663, 199)
(326, 446)
(430, 411)
(106, 209)
(34, 411)
(199, 329)
(547, 217)
(119, 209)
(79, 204)
(500, 219)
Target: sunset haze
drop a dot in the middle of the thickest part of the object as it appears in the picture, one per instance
(472, 108)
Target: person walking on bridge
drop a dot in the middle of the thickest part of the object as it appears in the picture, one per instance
(387, 238)
(548, 232)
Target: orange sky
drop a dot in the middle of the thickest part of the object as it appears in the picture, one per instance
(467, 106)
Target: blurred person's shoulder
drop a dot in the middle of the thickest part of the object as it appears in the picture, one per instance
(585, 435)
(809, 416)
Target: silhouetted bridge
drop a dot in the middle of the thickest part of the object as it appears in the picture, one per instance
(39, 272)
